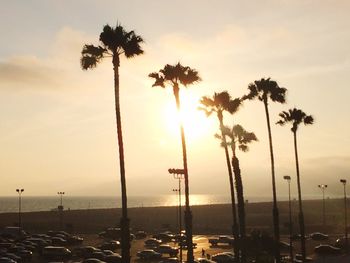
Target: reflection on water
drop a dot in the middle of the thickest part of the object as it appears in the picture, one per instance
(10, 204)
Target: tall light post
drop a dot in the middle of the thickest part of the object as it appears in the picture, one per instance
(19, 191)
(343, 181)
(179, 175)
(288, 179)
(60, 208)
(178, 212)
(323, 188)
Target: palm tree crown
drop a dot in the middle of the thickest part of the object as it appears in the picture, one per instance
(175, 74)
(238, 137)
(220, 102)
(264, 89)
(114, 42)
(296, 117)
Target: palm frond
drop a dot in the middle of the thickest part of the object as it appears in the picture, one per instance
(243, 147)
(91, 55)
(132, 46)
(295, 117)
(189, 76)
(207, 112)
(87, 62)
(159, 80)
(234, 105)
(176, 74)
(308, 120)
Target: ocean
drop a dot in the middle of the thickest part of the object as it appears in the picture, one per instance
(47, 203)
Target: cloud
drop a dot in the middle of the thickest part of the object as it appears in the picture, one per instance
(53, 70)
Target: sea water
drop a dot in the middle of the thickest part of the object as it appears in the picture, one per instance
(47, 203)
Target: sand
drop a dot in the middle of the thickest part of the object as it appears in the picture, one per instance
(207, 219)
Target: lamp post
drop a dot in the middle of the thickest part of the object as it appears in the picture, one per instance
(19, 191)
(343, 181)
(323, 188)
(60, 208)
(288, 179)
(179, 175)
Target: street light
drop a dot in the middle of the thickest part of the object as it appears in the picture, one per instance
(323, 188)
(287, 178)
(60, 208)
(343, 181)
(19, 191)
(178, 174)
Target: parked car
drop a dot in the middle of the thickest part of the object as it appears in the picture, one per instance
(116, 258)
(299, 258)
(110, 245)
(170, 260)
(57, 253)
(148, 254)
(85, 251)
(152, 242)
(227, 240)
(204, 260)
(92, 260)
(111, 232)
(58, 241)
(284, 245)
(164, 237)
(341, 243)
(6, 260)
(223, 258)
(167, 249)
(13, 232)
(327, 250)
(318, 236)
(140, 234)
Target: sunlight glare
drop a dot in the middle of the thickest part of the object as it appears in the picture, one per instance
(195, 122)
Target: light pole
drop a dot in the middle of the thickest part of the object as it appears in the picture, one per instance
(343, 181)
(288, 179)
(19, 191)
(178, 212)
(323, 188)
(179, 175)
(60, 208)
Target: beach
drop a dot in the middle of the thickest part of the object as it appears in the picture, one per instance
(207, 219)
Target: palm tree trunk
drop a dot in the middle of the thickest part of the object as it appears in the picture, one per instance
(301, 214)
(240, 205)
(233, 202)
(188, 213)
(275, 208)
(124, 221)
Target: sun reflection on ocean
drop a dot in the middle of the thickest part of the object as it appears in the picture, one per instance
(195, 199)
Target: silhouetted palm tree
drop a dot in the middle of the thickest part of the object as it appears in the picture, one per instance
(264, 90)
(240, 138)
(220, 103)
(114, 43)
(174, 75)
(296, 117)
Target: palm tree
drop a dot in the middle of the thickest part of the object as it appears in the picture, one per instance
(240, 138)
(174, 75)
(296, 117)
(264, 90)
(114, 43)
(220, 103)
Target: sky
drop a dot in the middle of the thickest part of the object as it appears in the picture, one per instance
(57, 122)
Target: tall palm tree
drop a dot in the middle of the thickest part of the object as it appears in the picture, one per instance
(114, 43)
(220, 103)
(174, 75)
(265, 90)
(239, 138)
(296, 117)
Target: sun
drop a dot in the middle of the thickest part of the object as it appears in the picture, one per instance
(196, 123)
